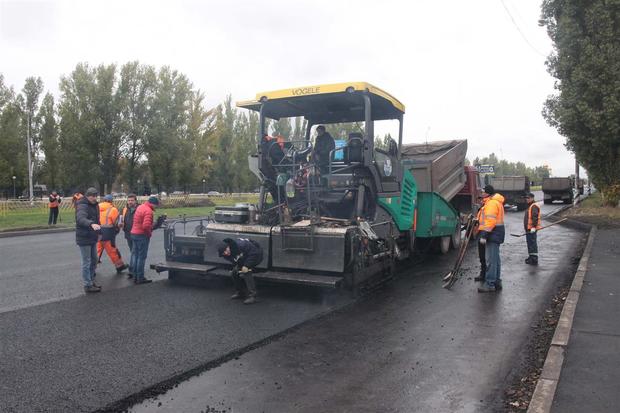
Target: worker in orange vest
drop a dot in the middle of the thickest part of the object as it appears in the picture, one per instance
(492, 234)
(481, 247)
(532, 223)
(54, 204)
(76, 197)
(108, 219)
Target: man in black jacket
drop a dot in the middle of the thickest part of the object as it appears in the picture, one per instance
(245, 255)
(87, 230)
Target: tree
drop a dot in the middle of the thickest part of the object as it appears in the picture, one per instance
(77, 129)
(136, 93)
(49, 140)
(12, 146)
(586, 64)
(167, 137)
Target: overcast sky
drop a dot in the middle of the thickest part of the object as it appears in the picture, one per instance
(463, 69)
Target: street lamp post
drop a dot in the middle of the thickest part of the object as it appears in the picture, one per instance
(204, 181)
(14, 178)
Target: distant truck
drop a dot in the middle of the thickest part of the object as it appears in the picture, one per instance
(513, 189)
(558, 189)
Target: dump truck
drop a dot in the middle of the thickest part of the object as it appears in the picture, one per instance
(513, 188)
(340, 223)
(558, 189)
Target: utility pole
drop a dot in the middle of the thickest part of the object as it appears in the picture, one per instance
(30, 186)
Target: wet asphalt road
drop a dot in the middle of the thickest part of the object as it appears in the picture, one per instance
(411, 347)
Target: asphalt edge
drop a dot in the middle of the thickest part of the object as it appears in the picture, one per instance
(544, 392)
(160, 388)
(8, 234)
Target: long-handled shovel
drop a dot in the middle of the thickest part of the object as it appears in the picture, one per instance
(546, 226)
(451, 278)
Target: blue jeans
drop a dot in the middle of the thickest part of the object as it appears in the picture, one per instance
(89, 263)
(494, 265)
(138, 255)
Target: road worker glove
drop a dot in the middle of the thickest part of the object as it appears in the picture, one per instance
(244, 269)
(483, 241)
(533, 231)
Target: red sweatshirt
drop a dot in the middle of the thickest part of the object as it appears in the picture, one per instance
(143, 220)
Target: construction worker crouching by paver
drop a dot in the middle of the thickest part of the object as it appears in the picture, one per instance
(54, 204)
(127, 223)
(109, 221)
(532, 223)
(492, 234)
(245, 255)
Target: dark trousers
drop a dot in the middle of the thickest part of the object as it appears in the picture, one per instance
(482, 257)
(53, 216)
(129, 241)
(532, 244)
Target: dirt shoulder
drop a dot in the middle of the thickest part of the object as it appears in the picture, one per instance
(591, 211)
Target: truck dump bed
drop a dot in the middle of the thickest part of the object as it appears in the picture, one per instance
(437, 166)
(510, 183)
(556, 184)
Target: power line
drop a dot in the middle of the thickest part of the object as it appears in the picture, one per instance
(521, 32)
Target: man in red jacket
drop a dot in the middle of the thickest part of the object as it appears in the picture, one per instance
(141, 232)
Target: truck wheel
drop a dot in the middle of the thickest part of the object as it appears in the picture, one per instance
(444, 244)
(456, 237)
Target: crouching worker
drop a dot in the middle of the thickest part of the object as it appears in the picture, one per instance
(245, 255)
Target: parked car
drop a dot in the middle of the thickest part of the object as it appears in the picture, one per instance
(214, 193)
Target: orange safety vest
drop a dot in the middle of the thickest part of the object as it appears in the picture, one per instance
(54, 203)
(108, 214)
(531, 224)
(76, 197)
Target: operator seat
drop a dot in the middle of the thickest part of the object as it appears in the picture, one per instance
(354, 151)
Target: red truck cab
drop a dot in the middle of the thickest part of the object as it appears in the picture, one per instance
(466, 200)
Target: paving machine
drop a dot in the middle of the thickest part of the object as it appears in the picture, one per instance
(342, 221)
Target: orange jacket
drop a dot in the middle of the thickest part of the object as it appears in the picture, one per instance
(75, 198)
(108, 213)
(492, 219)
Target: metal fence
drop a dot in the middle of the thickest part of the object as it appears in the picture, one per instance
(166, 201)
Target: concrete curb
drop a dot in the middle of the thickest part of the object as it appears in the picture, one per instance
(544, 393)
(8, 234)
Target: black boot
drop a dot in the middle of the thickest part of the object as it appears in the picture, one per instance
(251, 286)
(481, 277)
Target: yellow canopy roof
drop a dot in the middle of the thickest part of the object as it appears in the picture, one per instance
(338, 102)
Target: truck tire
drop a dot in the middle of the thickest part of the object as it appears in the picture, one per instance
(456, 237)
(444, 244)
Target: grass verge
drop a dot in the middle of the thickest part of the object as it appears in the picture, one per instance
(592, 211)
(37, 218)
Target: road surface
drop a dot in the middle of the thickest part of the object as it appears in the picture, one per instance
(412, 346)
